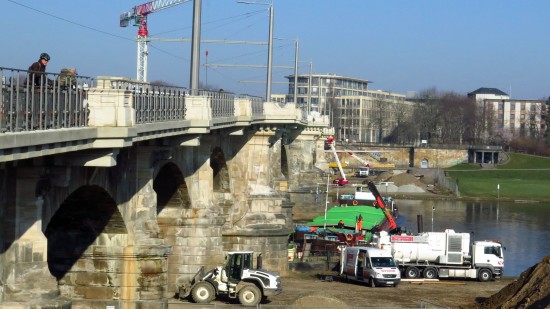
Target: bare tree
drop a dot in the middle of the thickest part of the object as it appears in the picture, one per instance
(426, 115)
(454, 114)
(162, 83)
(379, 117)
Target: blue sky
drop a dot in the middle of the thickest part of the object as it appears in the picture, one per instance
(399, 45)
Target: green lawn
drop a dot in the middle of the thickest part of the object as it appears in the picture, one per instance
(523, 177)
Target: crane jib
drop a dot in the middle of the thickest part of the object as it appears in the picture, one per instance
(150, 7)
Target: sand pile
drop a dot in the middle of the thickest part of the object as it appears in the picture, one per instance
(404, 182)
(319, 301)
(531, 290)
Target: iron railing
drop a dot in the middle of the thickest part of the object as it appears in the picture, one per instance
(222, 103)
(257, 104)
(152, 103)
(158, 104)
(34, 101)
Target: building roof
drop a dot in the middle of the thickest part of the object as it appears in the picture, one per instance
(484, 90)
(330, 76)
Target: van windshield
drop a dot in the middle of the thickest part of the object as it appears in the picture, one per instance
(383, 262)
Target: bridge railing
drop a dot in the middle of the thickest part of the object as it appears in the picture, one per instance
(34, 101)
(257, 104)
(222, 103)
(151, 103)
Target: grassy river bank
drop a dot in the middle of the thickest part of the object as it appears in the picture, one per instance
(521, 178)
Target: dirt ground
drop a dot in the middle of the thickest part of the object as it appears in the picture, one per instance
(448, 293)
(323, 289)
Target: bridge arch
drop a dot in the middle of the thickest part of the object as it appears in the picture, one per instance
(173, 206)
(284, 161)
(86, 228)
(221, 178)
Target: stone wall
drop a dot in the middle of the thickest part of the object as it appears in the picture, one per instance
(131, 247)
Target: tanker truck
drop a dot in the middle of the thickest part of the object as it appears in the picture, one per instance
(446, 254)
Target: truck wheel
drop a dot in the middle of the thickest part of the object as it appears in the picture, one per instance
(412, 272)
(250, 295)
(430, 273)
(484, 275)
(202, 292)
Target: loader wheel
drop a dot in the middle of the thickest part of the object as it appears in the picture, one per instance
(250, 295)
(202, 292)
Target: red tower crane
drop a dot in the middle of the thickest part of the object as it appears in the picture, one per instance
(139, 16)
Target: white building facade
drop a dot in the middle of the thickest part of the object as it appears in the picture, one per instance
(356, 113)
(516, 116)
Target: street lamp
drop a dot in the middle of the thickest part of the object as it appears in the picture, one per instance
(269, 48)
(433, 209)
(326, 202)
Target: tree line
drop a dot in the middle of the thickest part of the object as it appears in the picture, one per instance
(452, 118)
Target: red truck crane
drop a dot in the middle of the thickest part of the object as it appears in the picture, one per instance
(339, 181)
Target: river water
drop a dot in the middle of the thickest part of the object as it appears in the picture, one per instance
(522, 228)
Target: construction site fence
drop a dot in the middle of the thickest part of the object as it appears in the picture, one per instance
(447, 182)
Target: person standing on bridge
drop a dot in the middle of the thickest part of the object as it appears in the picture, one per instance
(37, 70)
(67, 78)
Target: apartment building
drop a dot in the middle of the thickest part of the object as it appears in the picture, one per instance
(517, 116)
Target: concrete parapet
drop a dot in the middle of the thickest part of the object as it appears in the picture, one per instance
(110, 108)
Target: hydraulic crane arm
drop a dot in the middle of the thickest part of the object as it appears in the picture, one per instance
(338, 162)
(380, 203)
(364, 162)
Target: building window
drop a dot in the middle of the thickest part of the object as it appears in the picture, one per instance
(522, 106)
(512, 116)
(500, 116)
(512, 106)
(511, 125)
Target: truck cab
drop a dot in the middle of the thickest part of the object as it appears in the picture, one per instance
(371, 265)
(363, 172)
(489, 255)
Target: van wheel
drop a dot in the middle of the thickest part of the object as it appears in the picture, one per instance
(430, 273)
(250, 295)
(371, 283)
(412, 272)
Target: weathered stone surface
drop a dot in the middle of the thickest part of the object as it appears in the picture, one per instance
(144, 251)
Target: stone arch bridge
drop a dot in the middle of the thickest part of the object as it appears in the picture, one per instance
(119, 190)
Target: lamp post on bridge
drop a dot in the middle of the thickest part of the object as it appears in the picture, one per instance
(269, 48)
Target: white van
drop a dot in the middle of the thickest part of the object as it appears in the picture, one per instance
(371, 265)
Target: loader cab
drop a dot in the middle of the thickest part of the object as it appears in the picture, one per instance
(235, 263)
